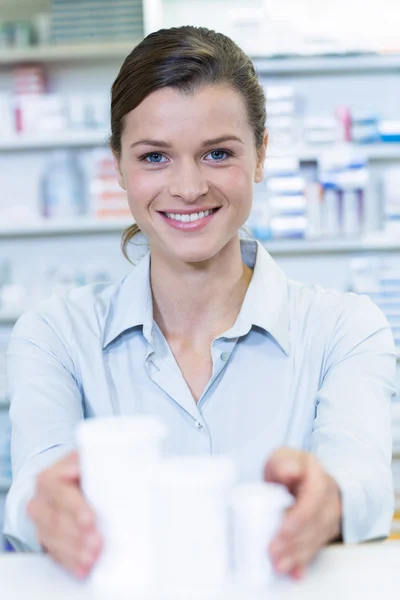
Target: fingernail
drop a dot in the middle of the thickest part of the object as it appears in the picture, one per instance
(81, 572)
(284, 565)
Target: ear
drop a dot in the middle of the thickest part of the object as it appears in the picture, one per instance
(120, 177)
(261, 154)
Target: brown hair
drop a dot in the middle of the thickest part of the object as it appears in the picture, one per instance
(184, 58)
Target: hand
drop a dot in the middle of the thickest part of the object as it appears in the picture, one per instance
(65, 524)
(315, 518)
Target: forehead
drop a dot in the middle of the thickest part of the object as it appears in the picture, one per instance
(204, 113)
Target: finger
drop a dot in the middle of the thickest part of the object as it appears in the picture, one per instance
(309, 504)
(297, 573)
(76, 551)
(291, 546)
(298, 560)
(68, 498)
(64, 527)
(287, 467)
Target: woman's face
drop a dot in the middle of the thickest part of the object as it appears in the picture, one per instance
(188, 163)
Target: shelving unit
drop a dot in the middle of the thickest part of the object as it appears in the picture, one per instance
(343, 63)
(63, 139)
(78, 226)
(87, 225)
(66, 53)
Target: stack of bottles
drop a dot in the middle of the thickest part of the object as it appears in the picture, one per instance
(391, 195)
(184, 523)
(381, 282)
(31, 109)
(325, 202)
(108, 199)
(96, 20)
(344, 178)
(283, 118)
(64, 187)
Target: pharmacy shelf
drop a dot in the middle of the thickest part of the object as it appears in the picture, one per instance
(374, 152)
(54, 140)
(76, 139)
(4, 485)
(339, 63)
(376, 243)
(86, 225)
(67, 53)
(78, 226)
(345, 63)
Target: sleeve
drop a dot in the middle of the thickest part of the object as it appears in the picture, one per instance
(352, 433)
(46, 404)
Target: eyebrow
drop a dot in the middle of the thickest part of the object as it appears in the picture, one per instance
(205, 143)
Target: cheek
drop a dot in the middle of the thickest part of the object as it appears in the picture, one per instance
(142, 187)
(237, 184)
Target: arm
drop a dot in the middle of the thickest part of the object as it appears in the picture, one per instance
(46, 404)
(343, 488)
(352, 434)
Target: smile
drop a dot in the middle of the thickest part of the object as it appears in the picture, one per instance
(185, 218)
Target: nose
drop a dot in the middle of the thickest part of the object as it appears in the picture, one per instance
(188, 182)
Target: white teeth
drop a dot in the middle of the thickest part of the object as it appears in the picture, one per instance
(190, 218)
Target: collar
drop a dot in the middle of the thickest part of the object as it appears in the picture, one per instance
(131, 305)
(266, 304)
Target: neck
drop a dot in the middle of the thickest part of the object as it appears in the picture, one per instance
(199, 301)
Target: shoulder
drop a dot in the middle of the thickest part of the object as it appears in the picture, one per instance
(77, 311)
(330, 318)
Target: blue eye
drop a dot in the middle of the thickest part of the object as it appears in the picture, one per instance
(154, 158)
(218, 155)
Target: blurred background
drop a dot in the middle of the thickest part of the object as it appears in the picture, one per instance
(328, 210)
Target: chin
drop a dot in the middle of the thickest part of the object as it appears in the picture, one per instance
(195, 253)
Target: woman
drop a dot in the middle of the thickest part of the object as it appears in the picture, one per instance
(294, 382)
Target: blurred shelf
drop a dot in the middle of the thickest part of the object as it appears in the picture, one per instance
(346, 63)
(66, 53)
(65, 139)
(379, 151)
(78, 226)
(54, 140)
(335, 63)
(375, 243)
(3, 402)
(4, 485)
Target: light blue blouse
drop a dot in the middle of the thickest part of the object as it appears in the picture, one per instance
(302, 367)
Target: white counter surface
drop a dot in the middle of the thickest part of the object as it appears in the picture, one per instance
(367, 571)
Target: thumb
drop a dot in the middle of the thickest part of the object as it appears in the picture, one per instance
(285, 466)
(69, 467)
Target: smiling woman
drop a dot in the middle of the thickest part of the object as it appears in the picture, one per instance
(291, 381)
(194, 81)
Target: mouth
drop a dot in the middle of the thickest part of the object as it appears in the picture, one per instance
(189, 221)
(190, 217)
